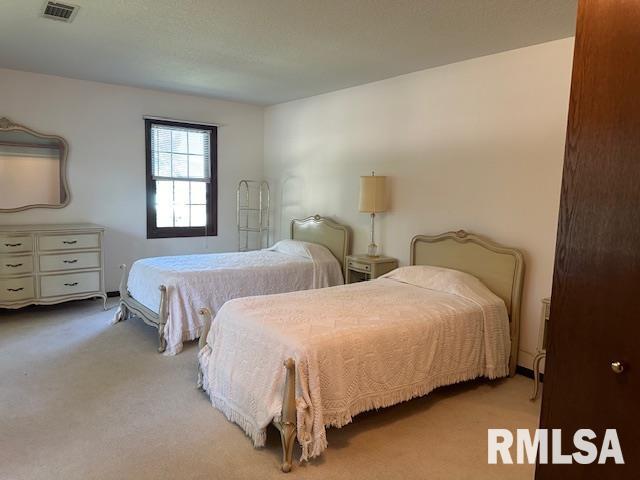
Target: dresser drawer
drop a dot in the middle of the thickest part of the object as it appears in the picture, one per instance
(16, 244)
(69, 284)
(15, 289)
(69, 261)
(361, 267)
(16, 264)
(69, 242)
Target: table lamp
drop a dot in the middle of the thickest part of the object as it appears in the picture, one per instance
(373, 199)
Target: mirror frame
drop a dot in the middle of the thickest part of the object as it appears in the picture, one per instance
(7, 125)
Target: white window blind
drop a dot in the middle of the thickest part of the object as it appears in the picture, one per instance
(180, 153)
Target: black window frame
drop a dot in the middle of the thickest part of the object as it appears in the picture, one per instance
(211, 229)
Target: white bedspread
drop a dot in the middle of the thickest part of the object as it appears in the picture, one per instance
(356, 347)
(196, 281)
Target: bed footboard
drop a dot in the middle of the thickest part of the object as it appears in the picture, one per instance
(130, 306)
(287, 424)
(122, 313)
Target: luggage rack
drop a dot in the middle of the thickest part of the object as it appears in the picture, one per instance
(253, 203)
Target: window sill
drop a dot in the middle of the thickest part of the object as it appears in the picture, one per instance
(180, 232)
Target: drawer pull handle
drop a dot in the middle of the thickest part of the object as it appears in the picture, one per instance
(69, 242)
(13, 265)
(70, 261)
(71, 284)
(13, 244)
(15, 289)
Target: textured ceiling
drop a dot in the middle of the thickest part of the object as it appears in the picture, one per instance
(268, 51)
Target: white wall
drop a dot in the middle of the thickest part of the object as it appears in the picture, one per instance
(104, 127)
(476, 145)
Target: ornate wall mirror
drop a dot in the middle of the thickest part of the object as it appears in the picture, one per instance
(33, 169)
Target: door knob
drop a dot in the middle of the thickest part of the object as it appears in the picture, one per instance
(617, 367)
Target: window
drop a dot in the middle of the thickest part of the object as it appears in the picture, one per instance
(181, 179)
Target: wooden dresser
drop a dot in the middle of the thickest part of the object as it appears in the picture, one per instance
(47, 264)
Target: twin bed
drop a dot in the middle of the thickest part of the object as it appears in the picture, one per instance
(306, 358)
(453, 315)
(171, 293)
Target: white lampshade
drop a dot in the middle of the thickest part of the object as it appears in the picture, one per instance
(373, 194)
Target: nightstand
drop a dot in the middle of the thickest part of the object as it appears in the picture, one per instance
(364, 267)
(541, 350)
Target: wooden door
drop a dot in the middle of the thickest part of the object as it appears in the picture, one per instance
(595, 306)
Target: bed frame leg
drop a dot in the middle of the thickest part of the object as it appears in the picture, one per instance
(122, 313)
(162, 319)
(206, 313)
(288, 437)
(162, 343)
(202, 341)
(288, 421)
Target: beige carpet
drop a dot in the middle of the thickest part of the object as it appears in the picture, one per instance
(80, 399)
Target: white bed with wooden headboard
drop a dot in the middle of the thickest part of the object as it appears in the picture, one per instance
(451, 316)
(169, 292)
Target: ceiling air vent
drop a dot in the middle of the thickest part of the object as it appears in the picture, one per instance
(60, 11)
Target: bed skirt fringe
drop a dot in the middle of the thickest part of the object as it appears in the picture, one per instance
(313, 444)
(314, 447)
(257, 435)
(187, 336)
